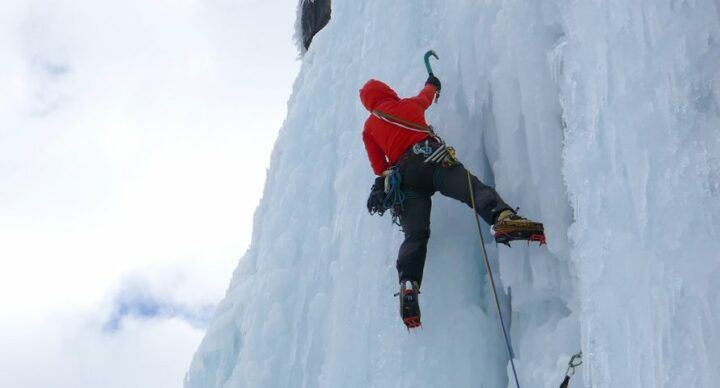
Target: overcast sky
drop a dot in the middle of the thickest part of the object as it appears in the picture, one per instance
(134, 142)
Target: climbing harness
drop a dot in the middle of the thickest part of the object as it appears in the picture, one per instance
(422, 148)
(575, 361)
(437, 155)
(442, 154)
(492, 281)
(394, 195)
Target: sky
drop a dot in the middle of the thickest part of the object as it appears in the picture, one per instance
(134, 142)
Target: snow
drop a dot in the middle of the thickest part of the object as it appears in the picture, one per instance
(599, 118)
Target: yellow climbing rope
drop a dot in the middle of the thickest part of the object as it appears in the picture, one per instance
(492, 280)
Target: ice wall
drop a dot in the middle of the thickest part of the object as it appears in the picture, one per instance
(599, 118)
(642, 166)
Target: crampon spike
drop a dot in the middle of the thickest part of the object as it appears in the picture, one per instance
(505, 238)
(412, 323)
(409, 309)
(537, 237)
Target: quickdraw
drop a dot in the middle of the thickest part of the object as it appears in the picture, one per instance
(443, 155)
(575, 361)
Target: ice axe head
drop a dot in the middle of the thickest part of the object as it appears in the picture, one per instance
(428, 54)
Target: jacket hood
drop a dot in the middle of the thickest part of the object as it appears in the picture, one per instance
(374, 91)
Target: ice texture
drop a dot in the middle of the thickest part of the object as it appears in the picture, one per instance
(599, 118)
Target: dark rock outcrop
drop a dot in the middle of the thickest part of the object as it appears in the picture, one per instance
(315, 16)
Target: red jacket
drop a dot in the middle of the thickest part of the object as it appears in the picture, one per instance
(386, 142)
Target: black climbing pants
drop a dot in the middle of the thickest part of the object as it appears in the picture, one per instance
(420, 181)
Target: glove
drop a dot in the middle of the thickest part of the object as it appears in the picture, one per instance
(376, 200)
(432, 80)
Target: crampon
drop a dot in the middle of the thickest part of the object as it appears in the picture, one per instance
(522, 230)
(409, 307)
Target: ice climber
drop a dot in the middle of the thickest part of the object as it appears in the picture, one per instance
(411, 164)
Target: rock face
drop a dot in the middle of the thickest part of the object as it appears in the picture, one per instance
(315, 16)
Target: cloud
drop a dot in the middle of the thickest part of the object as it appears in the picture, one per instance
(134, 133)
(139, 300)
(148, 308)
(134, 142)
(142, 334)
(67, 351)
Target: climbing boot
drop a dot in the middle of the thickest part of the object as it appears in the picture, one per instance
(510, 227)
(409, 307)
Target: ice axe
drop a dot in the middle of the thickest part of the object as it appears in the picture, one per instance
(428, 54)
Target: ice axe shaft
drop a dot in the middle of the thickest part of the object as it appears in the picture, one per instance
(428, 54)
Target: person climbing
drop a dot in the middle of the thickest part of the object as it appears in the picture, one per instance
(411, 164)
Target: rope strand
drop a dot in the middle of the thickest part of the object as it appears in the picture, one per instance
(394, 197)
(492, 281)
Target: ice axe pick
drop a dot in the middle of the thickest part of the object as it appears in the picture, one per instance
(428, 54)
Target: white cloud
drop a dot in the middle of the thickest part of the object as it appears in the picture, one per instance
(134, 141)
(67, 352)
